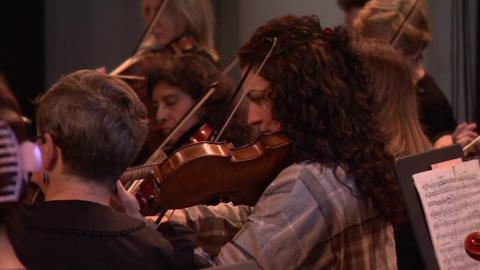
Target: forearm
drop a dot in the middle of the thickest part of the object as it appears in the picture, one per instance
(215, 225)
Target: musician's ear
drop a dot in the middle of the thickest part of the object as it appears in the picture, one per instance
(50, 151)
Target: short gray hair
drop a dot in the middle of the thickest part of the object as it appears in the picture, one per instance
(98, 122)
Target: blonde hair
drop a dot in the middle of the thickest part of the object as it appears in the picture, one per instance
(382, 19)
(200, 21)
(391, 85)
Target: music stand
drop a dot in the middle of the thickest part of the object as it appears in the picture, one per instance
(406, 167)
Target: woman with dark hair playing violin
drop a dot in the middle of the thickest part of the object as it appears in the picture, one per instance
(335, 205)
(174, 84)
(174, 27)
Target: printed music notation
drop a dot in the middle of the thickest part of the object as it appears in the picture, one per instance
(451, 202)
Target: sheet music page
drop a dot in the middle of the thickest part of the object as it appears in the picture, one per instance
(451, 203)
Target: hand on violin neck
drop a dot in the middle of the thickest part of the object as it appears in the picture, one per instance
(125, 202)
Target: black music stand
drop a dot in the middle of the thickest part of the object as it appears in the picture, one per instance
(406, 167)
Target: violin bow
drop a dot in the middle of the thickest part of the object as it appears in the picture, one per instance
(151, 24)
(472, 143)
(146, 33)
(244, 92)
(224, 113)
(412, 11)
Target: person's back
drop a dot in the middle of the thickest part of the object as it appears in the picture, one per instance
(91, 127)
(323, 217)
(85, 235)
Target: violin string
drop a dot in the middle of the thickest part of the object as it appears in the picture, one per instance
(244, 93)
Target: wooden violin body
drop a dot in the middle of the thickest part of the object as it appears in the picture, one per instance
(203, 171)
(145, 190)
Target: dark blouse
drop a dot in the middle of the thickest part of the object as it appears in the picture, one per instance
(436, 115)
(85, 235)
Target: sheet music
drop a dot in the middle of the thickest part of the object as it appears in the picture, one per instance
(451, 203)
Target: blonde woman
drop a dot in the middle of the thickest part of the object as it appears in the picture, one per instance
(384, 20)
(194, 18)
(391, 85)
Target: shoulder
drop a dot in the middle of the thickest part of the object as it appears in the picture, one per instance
(312, 178)
(428, 87)
(314, 188)
(91, 230)
(299, 186)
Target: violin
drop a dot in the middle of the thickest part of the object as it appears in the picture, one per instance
(144, 190)
(199, 172)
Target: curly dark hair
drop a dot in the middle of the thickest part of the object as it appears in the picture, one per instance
(316, 73)
(349, 4)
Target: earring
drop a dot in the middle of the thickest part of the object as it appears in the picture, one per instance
(45, 178)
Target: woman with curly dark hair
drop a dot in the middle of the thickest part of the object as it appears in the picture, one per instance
(335, 205)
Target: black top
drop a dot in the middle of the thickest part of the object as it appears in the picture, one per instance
(85, 235)
(436, 115)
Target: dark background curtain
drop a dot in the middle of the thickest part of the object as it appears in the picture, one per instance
(22, 60)
(477, 100)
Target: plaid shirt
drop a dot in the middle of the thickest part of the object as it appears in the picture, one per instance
(214, 225)
(309, 219)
